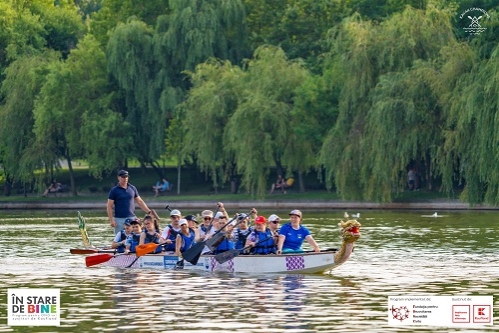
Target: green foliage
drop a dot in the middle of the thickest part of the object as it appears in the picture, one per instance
(113, 12)
(387, 108)
(23, 81)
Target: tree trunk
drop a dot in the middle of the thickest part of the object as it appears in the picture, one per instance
(301, 181)
(429, 180)
(179, 173)
(71, 176)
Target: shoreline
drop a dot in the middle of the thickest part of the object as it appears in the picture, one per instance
(277, 205)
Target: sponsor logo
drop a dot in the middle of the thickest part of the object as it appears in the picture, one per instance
(33, 307)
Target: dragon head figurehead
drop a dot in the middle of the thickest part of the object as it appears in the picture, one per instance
(350, 230)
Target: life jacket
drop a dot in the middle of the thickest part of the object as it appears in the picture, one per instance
(265, 247)
(187, 241)
(172, 235)
(204, 230)
(135, 239)
(152, 239)
(241, 237)
(122, 247)
(225, 245)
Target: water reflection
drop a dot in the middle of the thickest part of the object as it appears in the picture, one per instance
(400, 253)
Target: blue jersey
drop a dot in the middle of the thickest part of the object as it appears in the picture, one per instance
(124, 200)
(294, 238)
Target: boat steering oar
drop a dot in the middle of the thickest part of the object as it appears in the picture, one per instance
(231, 254)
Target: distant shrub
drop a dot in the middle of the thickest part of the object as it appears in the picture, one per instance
(93, 189)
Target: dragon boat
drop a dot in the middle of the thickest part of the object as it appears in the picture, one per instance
(306, 262)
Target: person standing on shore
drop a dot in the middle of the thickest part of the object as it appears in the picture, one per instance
(123, 198)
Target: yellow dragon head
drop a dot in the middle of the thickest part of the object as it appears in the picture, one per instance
(350, 230)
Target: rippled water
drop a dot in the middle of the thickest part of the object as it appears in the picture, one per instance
(400, 253)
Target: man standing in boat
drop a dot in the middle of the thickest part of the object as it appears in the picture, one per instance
(123, 198)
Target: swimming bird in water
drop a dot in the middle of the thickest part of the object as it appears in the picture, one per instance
(346, 215)
(435, 214)
(356, 215)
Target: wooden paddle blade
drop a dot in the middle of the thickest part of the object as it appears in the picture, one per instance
(83, 251)
(144, 249)
(193, 252)
(227, 255)
(98, 259)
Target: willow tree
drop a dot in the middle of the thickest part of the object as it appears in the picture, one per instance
(473, 136)
(75, 92)
(206, 111)
(131, 62)
(387, 110)
(262, 132)
(23, 80)
(194, 32)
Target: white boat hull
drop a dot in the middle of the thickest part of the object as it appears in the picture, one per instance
(308, 262)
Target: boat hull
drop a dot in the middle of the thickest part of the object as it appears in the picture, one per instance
(309, 262)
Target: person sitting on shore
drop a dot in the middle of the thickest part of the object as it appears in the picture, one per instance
(120, 238)
(162, 186)
(279, 184)
(54, 187)
(150, 233)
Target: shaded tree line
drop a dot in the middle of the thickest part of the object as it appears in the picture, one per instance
(358, 91)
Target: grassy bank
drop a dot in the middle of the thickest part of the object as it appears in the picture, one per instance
(194, 186)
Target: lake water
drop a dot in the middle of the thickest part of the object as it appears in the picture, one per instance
(399, 253)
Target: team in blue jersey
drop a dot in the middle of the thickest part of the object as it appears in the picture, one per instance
(264, 237)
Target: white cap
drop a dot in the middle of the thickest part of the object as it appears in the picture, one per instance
(273, 217)
(175, 212)
(219, 215)
(207, 213)
(295, 212)
(182, 221)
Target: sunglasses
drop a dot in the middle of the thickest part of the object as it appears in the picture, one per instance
(222, 217)
(207, 218)
(124, 176)
(275, 222)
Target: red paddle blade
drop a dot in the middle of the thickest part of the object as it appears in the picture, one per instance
(143, 249)
(98, 259)
(83, 251)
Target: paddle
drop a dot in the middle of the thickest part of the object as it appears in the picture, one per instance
(192, 254)
(231, 254)
(90, 251)
(100, 258)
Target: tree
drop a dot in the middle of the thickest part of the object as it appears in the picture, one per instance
(206, 111)
(130, 60)
(241, 121)
(386, 104)
(23, 80)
